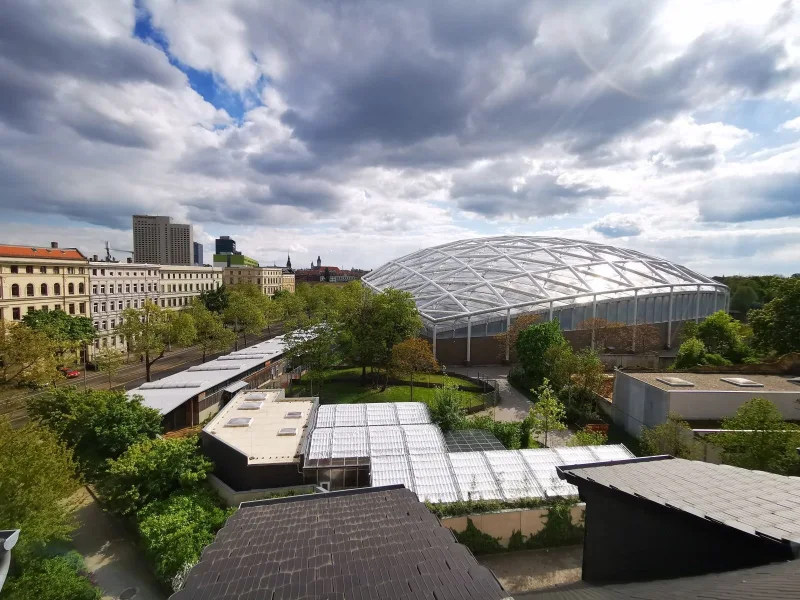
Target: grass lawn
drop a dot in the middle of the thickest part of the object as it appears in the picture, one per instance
(343, 386)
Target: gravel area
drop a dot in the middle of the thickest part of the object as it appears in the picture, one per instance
(530, 570)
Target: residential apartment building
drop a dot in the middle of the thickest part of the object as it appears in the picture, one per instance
(287, 280)
(115, 287)
(33, 278)
(157, 240)
(179, 285)
(268, 279)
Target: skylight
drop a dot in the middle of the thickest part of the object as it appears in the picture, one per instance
(250, 405)
(294, 414)
(741, 382)
(675, 381)
(239, 422)
(288, 431)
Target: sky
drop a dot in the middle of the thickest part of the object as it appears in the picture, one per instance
(360, 131)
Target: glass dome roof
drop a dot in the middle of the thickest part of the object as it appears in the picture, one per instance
(489, 277)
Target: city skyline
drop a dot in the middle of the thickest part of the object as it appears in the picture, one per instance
(365, 133)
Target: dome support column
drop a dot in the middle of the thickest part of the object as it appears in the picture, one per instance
(469, 338)
(669, 320)
(508, 335)
(635, 319)
(697, 306)
(434, 341)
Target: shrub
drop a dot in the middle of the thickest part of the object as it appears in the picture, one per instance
(57, 578)
(476, 507)
(151, 471)
(509, 433)
(447, 409)
(587, 437)
(673, 437)
(477, 541)
(690, 354)
(559, 530)
(175, 531)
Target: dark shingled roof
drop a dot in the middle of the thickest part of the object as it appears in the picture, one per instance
(755, 502)
(359, 544)
(778, 581)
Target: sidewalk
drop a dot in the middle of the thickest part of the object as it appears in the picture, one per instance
(117, 566)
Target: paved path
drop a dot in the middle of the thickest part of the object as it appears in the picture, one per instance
(116, 564)
(513, 406)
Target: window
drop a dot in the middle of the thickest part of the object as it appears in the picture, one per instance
(71, 289)
(14, 269)
(102, 271)
(81, 270)
(31, 309)
(56, 270)
(72, 309)
(29, 269)
(57, 289)
(58, 307)
(94, 272)
(29, 289)
(128, 304)
(113, 324)
(102, 289)
(70, 270)
(103, 307)
(43, 289)
(127, 288)
(104, 325)
(135, 304)
(45, 308)
(95, 308)
(135, 288)
(163, 303)
(119, 305)
(42, 269)
(15, 314)
(81, 288)
(94, 289)
(82, 308)
(15, 290)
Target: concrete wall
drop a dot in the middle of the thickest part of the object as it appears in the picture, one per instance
(234, 498)
(718, 405)
(529, 521)
(637, 405)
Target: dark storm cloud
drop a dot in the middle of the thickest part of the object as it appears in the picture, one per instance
(95, 127)
(684, 157)
(739, 199)
(616, 226)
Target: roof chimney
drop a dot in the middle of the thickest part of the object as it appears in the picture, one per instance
(130, 260)
(54, 244)
(94, 257)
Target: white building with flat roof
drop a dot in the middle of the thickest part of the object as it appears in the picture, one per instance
(179, 285)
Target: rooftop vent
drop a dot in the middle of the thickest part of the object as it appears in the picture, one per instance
(239, 422)
(168, 385)
(215, 367)
(288, 431)
(675, 381)
(294, 414)
(741, 382)
(250, 405)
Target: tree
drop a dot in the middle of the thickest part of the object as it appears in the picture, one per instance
(175, 531)
(743, 299)
(413, 355)
(67, 333)
(26, 356)
(37, 474)
(587, 437)
(358, 317)
(396, 319)
(109, 360)
(210, 332)
(273, 312)
(181, 330)
(244, 313)
(447, 408)
(768, 443)
(315, 348)
(533, 346)
(520, 323)
(97, 425)
(152, 470)
(57, 578)
(723, 335)
(674, 437)
(147, 331)
(692, 353)
(547, 414)
(293, 311)
(327, 274)
(776, 326)
(215, 300)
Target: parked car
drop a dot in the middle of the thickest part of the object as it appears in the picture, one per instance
(72, 374)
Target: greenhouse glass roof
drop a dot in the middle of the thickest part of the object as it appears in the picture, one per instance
(492, 276)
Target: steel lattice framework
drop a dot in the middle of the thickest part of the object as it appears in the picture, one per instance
(489, 278)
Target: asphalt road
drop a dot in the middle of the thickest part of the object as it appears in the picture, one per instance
(130, 376)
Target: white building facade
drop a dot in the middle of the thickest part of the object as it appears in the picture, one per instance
(115, 287)
(179, 285)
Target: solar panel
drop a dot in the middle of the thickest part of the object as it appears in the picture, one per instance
(471, 440)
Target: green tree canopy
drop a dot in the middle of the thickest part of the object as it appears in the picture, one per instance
(768, 443)
(244, 311)
(211, 333)
(721, 334)
(534, 350)
(396, 319)
(37, 474)
(776, 326)
(447, 408)
(215, 300)
(587, 437)
(314, 348)
(743, 299)
(67, 333)
(26, 356)
(97, 424)
(674, 437)
(109, 360)
(151, 470)
(693, 353)
(57, 578)
(148, 331)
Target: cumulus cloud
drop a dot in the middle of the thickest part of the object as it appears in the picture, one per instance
(300, 121)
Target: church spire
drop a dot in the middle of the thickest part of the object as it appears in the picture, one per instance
(288, 261)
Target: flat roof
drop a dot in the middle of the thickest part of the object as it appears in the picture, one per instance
(166, 395)
(367, 543)
(756, 502)
(712, 382)
(275, 431)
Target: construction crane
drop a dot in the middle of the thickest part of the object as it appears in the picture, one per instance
(109, 249)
